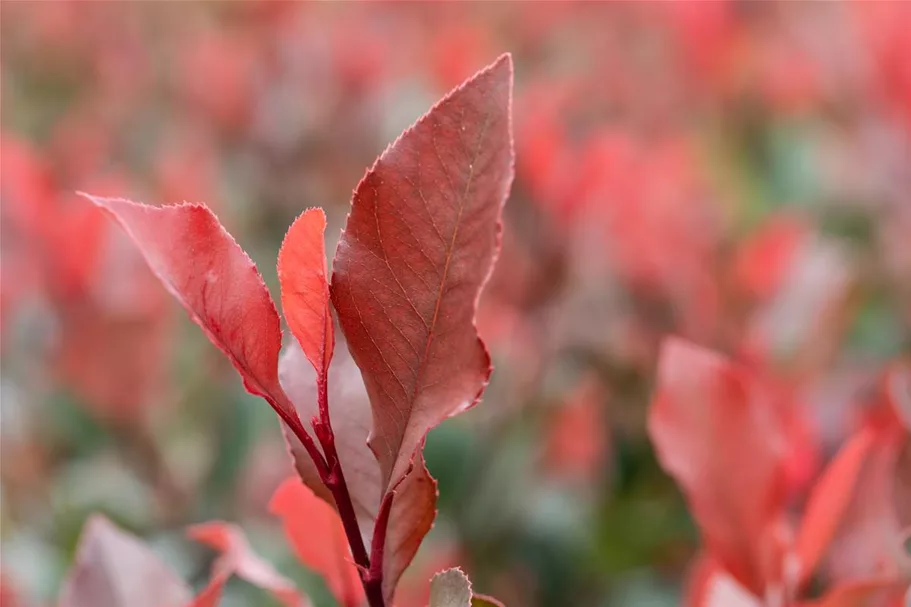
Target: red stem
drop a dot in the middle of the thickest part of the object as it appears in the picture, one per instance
(334, 479)
(378, 546)
(301, 433)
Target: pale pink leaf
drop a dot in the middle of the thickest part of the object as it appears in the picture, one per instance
(351, 425)
(414, 503)
(115, 569)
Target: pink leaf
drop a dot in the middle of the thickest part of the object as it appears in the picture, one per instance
(414, 505)
(237, 558)
(829, 499)
(205, 269)
(717, 435)
(305, 289)
(115, 569)
(418, 247)
(350, 423)
(318, 538)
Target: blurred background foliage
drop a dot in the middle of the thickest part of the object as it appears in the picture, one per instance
(735, 172)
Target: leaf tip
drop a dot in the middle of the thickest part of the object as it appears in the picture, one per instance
(503, 62)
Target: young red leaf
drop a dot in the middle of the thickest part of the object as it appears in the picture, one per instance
(316, 533)
(205, 269)
(829, 499)
(305, 289)
(717, 435)
(115, 569)
(418, 247)
(238, 558)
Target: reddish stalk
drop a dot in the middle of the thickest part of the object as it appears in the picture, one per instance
(378, 546)
(332, 475)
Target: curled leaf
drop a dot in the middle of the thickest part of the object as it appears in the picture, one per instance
(238, 558)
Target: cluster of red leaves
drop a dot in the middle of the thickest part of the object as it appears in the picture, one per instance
(721, 431)
(419, 244)
(61, 255)
(607, 151)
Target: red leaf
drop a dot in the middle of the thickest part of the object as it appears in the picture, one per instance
(717, 435)
(305, 289)
(8, 594)
(576, 440)
(205, 269)
(829, 499)
(238, 558)
(419, 245)
(764, 258)
(699, 581)
(115, 569)
(869, 542)
(318, 538)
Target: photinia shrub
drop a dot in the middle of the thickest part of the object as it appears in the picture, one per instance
(719, 432)
(420, 242)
